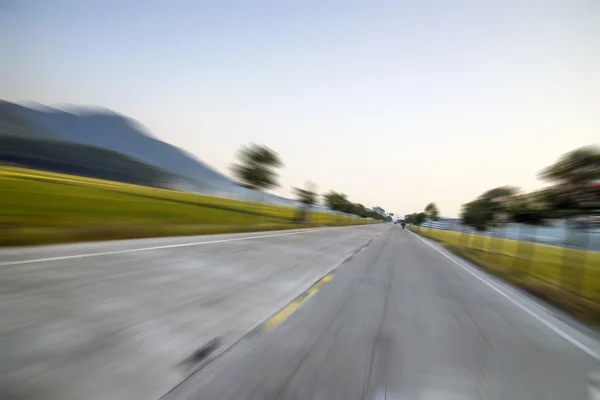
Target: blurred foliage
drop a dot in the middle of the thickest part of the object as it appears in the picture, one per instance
(476, 214)
(575, 169)
(499, 202)
(339, 202)
(305, 197)
(256, 167)
(489, 209)
(308, 199)
(432, 212)
(573, 176)
(416, 218)
(574, 194)
(529, 209)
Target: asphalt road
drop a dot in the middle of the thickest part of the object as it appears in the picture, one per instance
(404, 320)
(400, 319)
(115, 320)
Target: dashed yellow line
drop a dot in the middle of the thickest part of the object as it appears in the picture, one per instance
(293, 306)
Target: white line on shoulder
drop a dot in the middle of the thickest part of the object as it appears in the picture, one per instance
(560, 332)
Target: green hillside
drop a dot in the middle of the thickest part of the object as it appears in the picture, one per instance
(77, 159)
(24, 144)
(42, 207)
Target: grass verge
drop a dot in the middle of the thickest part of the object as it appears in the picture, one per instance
(42, 208)
(567, 278)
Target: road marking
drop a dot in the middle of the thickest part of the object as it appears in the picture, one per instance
(560, 332)
(293, 306)
(170, 246)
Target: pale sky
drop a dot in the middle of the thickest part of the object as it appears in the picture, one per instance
(395, 103)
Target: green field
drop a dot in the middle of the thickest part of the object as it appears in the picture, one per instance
(568, 278)
(42, 207)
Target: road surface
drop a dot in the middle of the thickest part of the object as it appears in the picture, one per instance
(400, 319)
(115, 320)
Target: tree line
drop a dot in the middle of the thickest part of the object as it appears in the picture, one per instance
(431, 212)
(339, 202)
(573, 194)
(256, 168)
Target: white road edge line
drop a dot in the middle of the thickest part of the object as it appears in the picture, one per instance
(560, 332)
(170, 246)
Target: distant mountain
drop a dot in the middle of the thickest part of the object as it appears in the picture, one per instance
(24, 144)
(14, 123)
(108, 130)
(79, 159)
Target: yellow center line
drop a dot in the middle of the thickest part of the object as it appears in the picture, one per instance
(293, 306)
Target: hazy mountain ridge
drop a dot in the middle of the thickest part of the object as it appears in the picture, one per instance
(79, 159)
(25, 144)
(13, 123)
(106, 129)
(109, 130)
